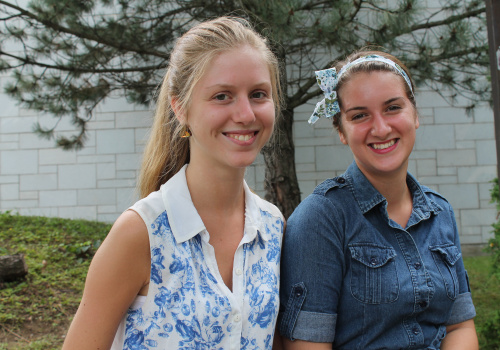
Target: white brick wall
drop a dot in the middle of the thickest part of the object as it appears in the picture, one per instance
(454, 154)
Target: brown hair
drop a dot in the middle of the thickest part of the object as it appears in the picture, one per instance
(166, 152)
(367, 67)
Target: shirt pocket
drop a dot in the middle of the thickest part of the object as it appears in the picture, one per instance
(374, 279)
(445, 256)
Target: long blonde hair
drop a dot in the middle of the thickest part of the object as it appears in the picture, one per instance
(166, 152)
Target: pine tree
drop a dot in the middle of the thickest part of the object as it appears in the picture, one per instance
(71, 55)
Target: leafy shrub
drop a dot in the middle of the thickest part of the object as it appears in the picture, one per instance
(491, 332)
(494, 242)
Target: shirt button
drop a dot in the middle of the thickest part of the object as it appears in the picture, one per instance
(373, 261)
(239, 271)
(237, 318)
(422, 304)
(417, 265)
(341, 180)
(416, 331)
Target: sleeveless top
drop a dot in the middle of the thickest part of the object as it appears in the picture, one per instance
(188, 306)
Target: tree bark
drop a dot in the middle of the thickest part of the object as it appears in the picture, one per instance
(281, 184)
(12, 267)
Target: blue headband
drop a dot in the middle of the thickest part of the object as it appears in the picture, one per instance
(328, 80)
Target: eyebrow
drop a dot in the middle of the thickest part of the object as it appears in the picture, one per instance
(360, 108)
(229, 86)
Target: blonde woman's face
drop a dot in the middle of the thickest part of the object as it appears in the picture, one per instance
(231, 113)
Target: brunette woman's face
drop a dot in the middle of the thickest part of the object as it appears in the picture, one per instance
(378, 122)
(231, 113)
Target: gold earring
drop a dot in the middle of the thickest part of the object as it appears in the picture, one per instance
(185, 133)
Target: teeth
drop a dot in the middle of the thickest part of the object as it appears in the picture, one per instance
(383, 145)
(241, 137)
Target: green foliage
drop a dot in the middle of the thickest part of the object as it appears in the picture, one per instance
(484, 287)
(58, 253)
(494, 243)
(491, 332)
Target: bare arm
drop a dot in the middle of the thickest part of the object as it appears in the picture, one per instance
(461, 336)
(305, 345)
(278, 340)
(119, 271)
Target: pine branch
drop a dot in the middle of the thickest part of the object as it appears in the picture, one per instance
(448, 20)
(29, 62)
(446, 55)
(89, 32)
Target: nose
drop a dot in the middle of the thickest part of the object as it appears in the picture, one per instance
(244, 112)
(380, 126)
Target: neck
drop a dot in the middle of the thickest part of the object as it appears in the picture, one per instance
(393, 189)
(216, 190)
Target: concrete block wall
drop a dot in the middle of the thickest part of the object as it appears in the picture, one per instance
(454, 154)
(95, 183)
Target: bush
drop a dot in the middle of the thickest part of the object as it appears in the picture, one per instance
(491, 332)
(494, 243)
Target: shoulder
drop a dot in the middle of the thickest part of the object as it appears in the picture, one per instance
(436, 198)
(330, 185)
(149, 208)
(431, 193)
(322, 210)
(129, 231)
(326, 197)
(428, 199)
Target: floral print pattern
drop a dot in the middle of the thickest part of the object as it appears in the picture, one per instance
(187, 308)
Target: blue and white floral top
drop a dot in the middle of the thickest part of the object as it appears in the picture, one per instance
(188, 306)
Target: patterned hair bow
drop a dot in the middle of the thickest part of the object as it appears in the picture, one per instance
(328, 80)
(329, 106)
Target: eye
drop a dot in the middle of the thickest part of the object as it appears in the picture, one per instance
(259, 94)
(358, 116)
(221, 97)
(393, 108)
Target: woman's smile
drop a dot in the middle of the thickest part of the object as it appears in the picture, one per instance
(384, 146)
(242, 136)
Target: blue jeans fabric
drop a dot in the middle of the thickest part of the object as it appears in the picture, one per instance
(354, 277)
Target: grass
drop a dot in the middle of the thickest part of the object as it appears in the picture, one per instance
(485, 288)
(35, 313)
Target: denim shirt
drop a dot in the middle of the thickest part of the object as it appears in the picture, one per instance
(188, 306)
(352, 276)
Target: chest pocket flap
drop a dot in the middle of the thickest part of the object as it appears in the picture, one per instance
(449, 253)
(372, 255)
(373, 273)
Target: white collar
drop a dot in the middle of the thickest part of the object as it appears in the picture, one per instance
(184, 220)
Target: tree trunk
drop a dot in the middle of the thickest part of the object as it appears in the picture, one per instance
(281, 184)
(12, 267)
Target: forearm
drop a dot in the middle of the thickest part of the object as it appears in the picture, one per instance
(305, 345)
(461, 336)
(278, 340)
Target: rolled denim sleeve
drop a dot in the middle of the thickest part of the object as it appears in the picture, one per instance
(311, 272)
(462, 310)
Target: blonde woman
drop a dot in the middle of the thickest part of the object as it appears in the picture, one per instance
(195, 263)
